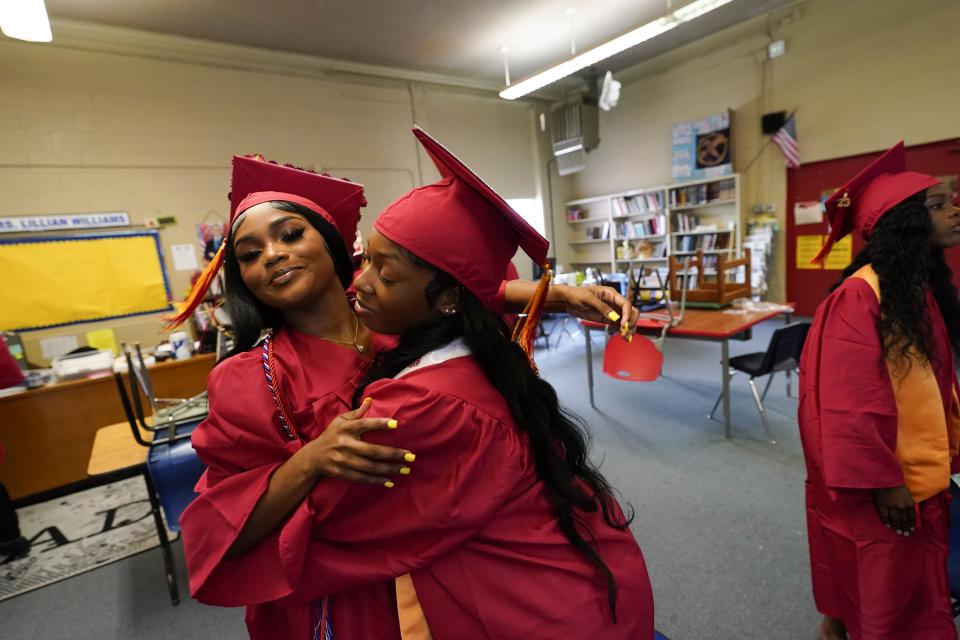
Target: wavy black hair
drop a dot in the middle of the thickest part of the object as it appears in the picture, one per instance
(907, 266)
(558, 439)
(248, 315)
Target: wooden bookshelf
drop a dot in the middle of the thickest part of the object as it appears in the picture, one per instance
(644, 227)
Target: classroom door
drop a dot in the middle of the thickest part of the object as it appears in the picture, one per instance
(812, 182)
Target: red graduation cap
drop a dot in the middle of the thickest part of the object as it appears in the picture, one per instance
(859, 203)
(255, 180)
(462, 226)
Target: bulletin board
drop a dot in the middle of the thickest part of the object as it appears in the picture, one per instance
(50, 281)
(808, 286)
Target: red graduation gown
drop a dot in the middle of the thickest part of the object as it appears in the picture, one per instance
(241, 444)
(883, 586)
(472, 525)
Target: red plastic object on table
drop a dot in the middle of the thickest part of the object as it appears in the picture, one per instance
(638, 360)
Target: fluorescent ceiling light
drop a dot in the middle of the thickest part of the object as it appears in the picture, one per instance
(621, 43)
(25, 20)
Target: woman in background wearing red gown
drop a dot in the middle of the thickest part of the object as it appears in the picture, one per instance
(878, 411)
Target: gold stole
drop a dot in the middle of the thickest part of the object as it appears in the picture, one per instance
(927, 439)
(413, 624)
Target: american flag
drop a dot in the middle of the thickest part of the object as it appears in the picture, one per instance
(786, 140)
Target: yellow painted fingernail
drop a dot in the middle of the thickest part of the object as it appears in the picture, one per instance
(404, 471)
(391, 424)
(614, 316)
(409, 457)
(388, 484)
(367, 399)
(629, 338)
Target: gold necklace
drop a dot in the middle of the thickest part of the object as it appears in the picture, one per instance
(356, 332)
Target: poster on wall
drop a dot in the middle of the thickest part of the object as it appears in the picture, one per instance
(808, 246)
(702, 149)
(210, 235)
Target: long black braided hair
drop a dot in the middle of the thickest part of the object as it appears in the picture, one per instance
(558, 439)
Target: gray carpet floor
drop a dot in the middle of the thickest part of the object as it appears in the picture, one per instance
(721, 522)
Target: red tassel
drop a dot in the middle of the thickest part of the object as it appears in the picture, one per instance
(186, 308)
(525, 330)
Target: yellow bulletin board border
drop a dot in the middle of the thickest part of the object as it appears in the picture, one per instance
(152, 275)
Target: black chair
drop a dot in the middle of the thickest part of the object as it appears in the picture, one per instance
(166, 411)
(782, 354)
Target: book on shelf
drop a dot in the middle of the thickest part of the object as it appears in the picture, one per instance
(653, 226)
(706, 242)
(638, 204)
(601, 232)
(697, 194)
(685, 222)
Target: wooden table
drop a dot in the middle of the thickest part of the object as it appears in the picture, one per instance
(48, 433)
(709, 325)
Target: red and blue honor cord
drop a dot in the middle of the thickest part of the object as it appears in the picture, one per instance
(324, 627)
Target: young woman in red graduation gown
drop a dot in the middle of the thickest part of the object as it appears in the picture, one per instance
(274, 432)
(878, 412)
(504, 527)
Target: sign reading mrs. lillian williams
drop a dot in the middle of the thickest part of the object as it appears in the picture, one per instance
(27, 224)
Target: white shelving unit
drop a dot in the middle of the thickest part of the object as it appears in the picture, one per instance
(697, 214)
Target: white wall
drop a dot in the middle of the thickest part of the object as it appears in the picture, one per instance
(87, 129)
(861, 75)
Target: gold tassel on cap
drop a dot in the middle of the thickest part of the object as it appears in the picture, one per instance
(525, 330)
(186, 308)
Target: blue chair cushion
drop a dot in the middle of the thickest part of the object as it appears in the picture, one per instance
(174, 469)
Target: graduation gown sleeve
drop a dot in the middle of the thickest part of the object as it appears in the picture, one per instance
(466, 468)
(855, 409)
(241, 447)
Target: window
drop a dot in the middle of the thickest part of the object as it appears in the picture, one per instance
(531, 210)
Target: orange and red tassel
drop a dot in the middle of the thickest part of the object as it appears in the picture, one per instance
(525, 330)
(186, 308)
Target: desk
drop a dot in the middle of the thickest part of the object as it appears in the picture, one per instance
(48, 433)
(709, 325)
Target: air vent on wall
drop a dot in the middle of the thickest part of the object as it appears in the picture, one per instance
(574, 125)
(571, 162)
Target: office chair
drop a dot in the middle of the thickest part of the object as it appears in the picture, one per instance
(782, 354)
